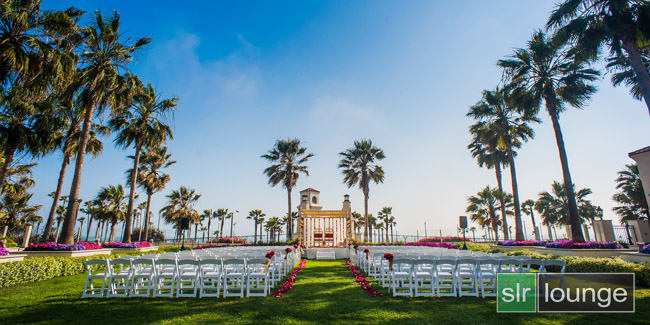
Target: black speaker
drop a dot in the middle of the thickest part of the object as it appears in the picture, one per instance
(185, 223)
(462, 222)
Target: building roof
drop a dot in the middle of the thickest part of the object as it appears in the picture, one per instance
(640, 151)
(310, 190)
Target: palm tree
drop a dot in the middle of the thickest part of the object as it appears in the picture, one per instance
(359, 165)
(554, 207)
(150, 177)
(528, 207)
(505, 126)
(623, 73)
(15, 208)
(371, 222)
(483, 206)
(69, 138)
(27, 52)
(221, 215)
(142, 125)
(257, 216)
(631, 198)
(112, 206)
(488, 155)
(180, 204)
(88, 209)
(547, 70)
(208, 214)
(274, 226)
(102, 85)
(392, 223)
(287, 160)
(385, 214)
(620, 25)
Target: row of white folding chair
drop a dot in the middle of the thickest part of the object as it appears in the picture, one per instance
(138, 277)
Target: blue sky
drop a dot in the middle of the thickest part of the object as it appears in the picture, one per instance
(400, 73)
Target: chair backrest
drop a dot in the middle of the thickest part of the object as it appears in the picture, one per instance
(554, 262)
(165, 261)
(143, 261)
(401, 264)
(97, 261)
(187, 261)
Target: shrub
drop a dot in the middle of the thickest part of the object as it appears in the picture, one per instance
(443, 239)
(3, 251)
(233, 240)
(445, 245)
(522, 243)
(135, 244)
(52, 246)
(10, 241)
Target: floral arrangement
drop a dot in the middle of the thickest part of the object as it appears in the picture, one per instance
(587, 245)
(356, 246)
(366, 250)
(270, 254)
(52, 246)
(388, 256)
(442, 239)
(233, 240)
(295, 246)
(3, 251)
(358, 277)
(302, 246)
(522, 243)
(291, 279)
(444, 245)
(287, 250)
(135, 244)
(645, 249)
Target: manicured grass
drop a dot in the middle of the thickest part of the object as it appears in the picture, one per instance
(325, 292)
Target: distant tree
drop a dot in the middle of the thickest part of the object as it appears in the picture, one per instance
(631, 198)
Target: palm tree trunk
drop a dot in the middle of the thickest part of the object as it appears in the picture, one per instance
(90, 223)
(105, 231)
(67, 235)
(9, 158)
(643, 78)
(57, 194)
(574, 220)
(98, 231)
(504, 221)
(134, 177)
(210, 221)
(519, 232)
(365, 213)
(289, 216)
(255, 236)
(223, 218)
(111, 238)
(146, 217)
(538, 236)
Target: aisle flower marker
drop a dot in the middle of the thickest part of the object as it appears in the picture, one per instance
(389, 257)
(358, 277)
(291, 279)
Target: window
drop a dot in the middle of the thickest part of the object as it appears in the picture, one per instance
(313, 200)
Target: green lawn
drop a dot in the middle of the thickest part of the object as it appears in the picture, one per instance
(325, 292)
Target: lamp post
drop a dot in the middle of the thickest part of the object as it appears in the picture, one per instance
(232, 219)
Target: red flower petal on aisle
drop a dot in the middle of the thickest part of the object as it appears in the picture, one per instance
(291, 279)
(363, 283)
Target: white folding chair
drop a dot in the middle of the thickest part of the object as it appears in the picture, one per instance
(556, 264)
(210, 277)
(188, 278)
(528, 265)
(400, 277)
(487, 276)
(165, 278)
(103, 275)
(423, 277)
(234, 281)
(445, 276)
(119, 281)
(257, 278)
(466, 274)
(144, 272)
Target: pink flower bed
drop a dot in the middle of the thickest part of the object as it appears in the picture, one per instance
(445, 245)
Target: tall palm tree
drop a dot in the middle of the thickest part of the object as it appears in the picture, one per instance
(142, 125)
(631, 198)
(487, 154)
(88, 209)
(208, 214)
(504, 124)
(15, 208)
(256, 215)
(358, 220)
(548, 71)
(385, 215)
(392, 223)
(371, 222)
(151, 178)
(222, 215)
(287, 160)
(72, 116)
(528, 207)
(623, 73)
(623, 26)
(483, 206)
(102, 84)
(180, 204)
(359, 165)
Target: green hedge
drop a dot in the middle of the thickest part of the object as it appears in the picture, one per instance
(596, 264)
(42, 268)
(10, 241)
